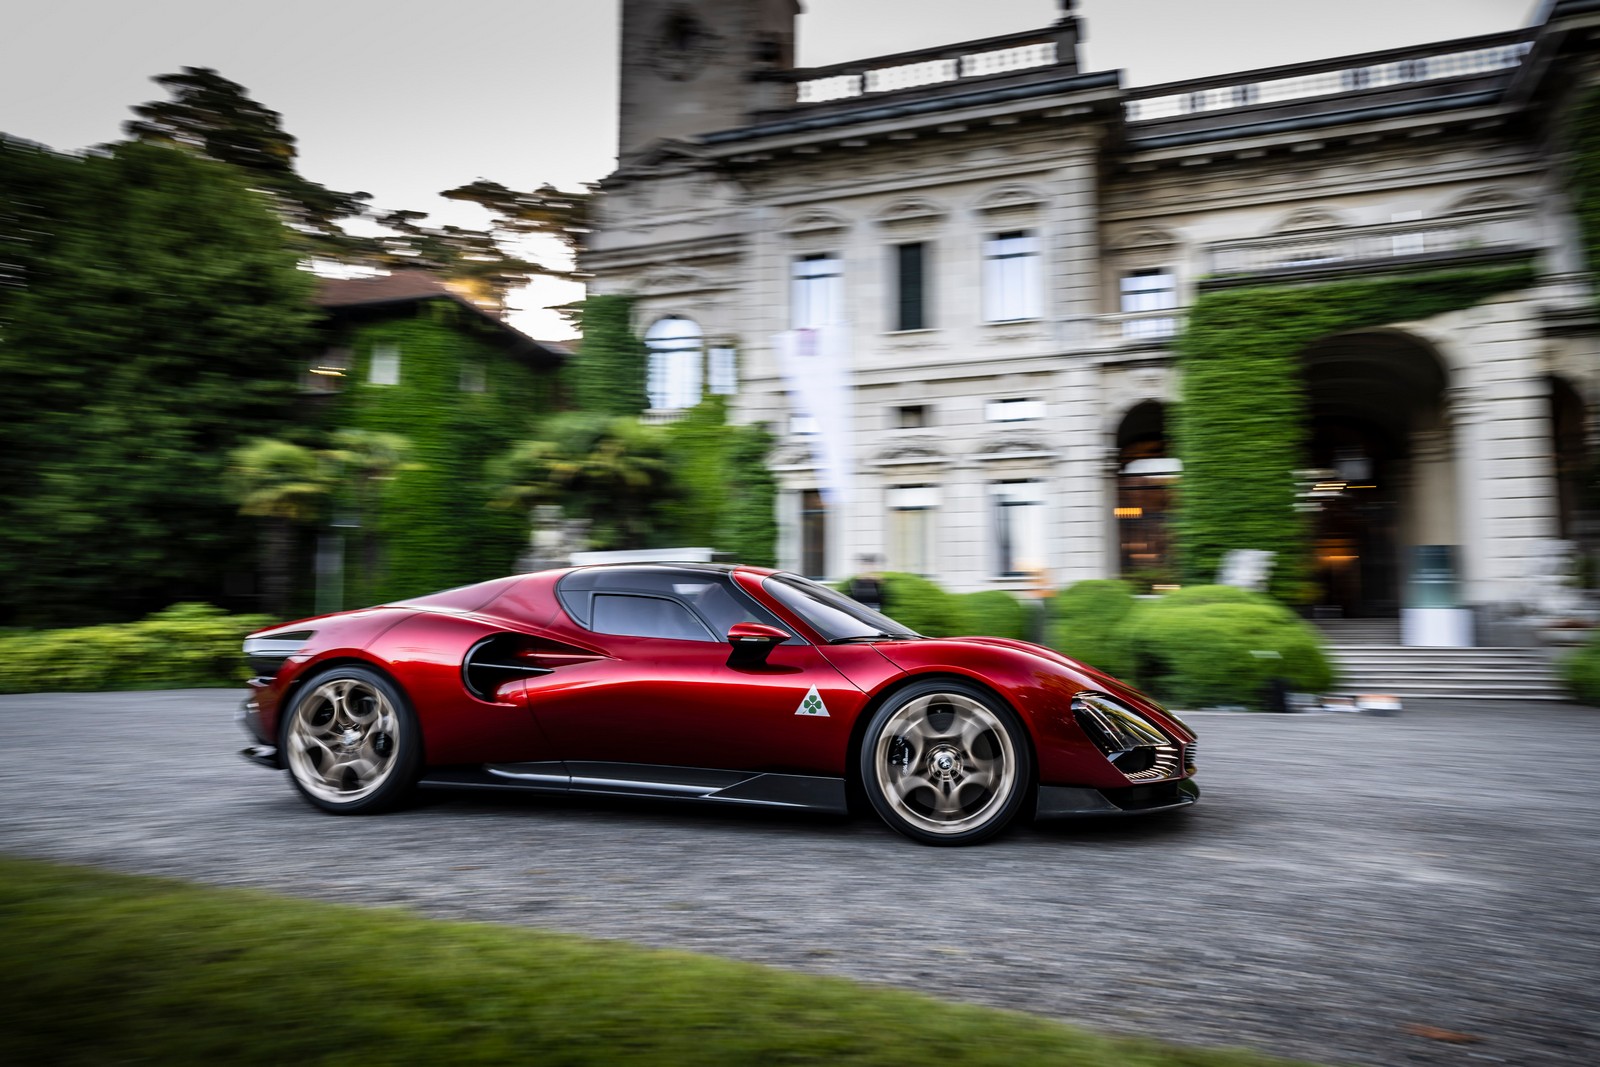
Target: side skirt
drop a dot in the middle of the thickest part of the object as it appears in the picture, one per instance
(810, 792)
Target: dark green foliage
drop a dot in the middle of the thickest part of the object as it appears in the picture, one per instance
(152, 320)
(215, 116)
(615, 472)
(187, 645)
(434, 527)
(1216, 645)
(108, 969)
(1087, 623)
(1584, 172)
(727, 496)
(913, 601)
(1242, 427)
(1580, 669)
(607, 376)
(993, 613)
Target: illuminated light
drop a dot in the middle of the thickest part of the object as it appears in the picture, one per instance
(331, 372)
(1338, 559)
(1166, 588)
(1361, 487)
(1127, 513)
(1327, 487)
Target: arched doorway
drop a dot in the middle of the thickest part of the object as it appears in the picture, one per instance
(1381, 475)
(1147, 476)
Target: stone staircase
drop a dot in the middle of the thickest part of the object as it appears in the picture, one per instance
(1371, 659)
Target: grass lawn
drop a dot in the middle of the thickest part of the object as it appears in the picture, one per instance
(105, 968)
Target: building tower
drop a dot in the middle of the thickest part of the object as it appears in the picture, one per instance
(691, 66)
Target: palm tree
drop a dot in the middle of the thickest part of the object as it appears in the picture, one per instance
(615, 472)
(362, 460)
(286, 485)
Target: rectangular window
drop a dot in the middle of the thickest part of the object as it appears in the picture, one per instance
(911, 517)
(473, 378)
(813, 534)
(1013, 410)
(802, 424)
(724, 372)
(817, 291)
(910, 287)
(912, 417)
(1011, 278)
(1148, 290)
(385, 365)
(1018, 527)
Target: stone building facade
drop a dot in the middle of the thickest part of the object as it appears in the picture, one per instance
(996, 250)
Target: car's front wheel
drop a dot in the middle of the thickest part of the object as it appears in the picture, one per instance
(350, 742)
(945, 763)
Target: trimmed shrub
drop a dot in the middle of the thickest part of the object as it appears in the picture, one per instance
(187, 645)
(1580, 669)
(1211, 645)
(993, 613)
(1086, 622)
(913, 601)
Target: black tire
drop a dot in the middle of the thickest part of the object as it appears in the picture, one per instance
(946, 763)
(350, 742)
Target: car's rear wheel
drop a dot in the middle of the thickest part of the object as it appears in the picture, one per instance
(945, 763)
(350, 742)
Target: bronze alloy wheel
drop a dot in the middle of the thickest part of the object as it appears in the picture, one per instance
(349, 741)
(945, 763)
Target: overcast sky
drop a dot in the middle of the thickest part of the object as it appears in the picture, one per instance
(402, 98)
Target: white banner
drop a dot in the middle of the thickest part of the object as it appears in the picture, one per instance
(816, 364)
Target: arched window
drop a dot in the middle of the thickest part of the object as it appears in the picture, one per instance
(677, 361)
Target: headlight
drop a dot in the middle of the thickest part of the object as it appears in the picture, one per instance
(1133, 744)
(266, 654)
(1115, 727)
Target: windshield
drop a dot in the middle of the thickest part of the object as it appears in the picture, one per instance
(833, 615)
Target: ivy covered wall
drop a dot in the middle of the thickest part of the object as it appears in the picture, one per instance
(1242, 427)
(728, 496)
(435, 527)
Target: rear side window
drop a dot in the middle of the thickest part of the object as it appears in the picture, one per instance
(709, 596)
(647, 616)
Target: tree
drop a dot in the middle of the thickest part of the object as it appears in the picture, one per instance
(363, 460)
(286, 485)
(212, 115)
(488, 264)
(615, 472)
(157, 320)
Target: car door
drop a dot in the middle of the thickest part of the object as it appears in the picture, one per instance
(668, 695)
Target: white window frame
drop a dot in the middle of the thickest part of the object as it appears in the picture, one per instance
(722, 372)
(913, 511)
(385, 366)
(1014, 409)
(816, 291)
(673, 380)
(1013, 279)
(1018, 508)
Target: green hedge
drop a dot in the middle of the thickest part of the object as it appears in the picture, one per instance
(1086, 623)
(187, 645)
(1211, 644)
(994, 613)
(1580, 669)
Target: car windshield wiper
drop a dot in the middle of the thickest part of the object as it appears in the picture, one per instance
(879, 636)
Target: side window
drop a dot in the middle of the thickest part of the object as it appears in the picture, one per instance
(647, 616)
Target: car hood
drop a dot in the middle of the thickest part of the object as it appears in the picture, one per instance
(914, 655)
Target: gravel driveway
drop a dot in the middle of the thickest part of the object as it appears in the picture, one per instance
(1413, 890)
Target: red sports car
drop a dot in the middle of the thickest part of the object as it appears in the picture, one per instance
(712, 683)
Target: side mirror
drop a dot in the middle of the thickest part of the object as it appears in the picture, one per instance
(752, 642)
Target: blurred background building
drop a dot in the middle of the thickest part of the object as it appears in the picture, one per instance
(955, 282)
